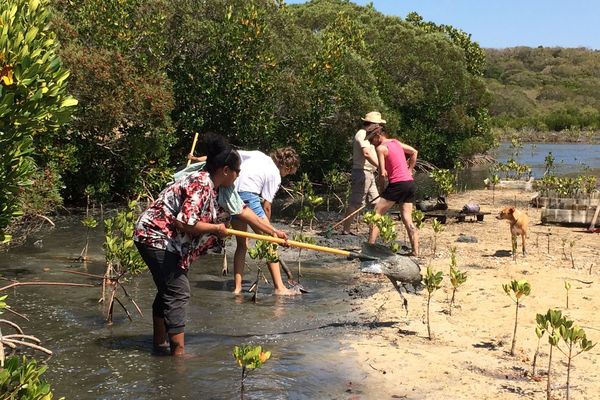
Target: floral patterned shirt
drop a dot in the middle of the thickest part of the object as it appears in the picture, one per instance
(189, 200)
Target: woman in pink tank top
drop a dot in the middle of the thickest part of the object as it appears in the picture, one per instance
(396, 163)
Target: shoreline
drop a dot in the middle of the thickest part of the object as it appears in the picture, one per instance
(469, 352)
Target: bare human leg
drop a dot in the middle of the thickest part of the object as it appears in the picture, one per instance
(280, 288)
(160, 343)
(177, 341)
(411, 229)
(239, 258)
(347, 225)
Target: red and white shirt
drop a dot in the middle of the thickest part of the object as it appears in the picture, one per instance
(189, 200)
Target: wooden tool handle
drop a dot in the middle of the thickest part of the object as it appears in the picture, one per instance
(353, 214)
(292, 243)
(193, 147)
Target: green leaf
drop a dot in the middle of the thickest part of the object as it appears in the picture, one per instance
(68, 102)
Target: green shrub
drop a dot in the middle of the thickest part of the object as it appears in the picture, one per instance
(21, 379)
(33, 102)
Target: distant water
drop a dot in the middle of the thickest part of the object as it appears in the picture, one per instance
(570, 159)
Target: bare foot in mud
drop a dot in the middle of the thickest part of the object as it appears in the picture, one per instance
(287, 292)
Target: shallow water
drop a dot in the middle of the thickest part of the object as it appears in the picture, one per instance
(570, 158)
(95, 361)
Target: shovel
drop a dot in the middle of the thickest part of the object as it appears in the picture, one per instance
(350, 255)
(376, 259)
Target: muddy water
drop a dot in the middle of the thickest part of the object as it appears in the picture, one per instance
(95, 361)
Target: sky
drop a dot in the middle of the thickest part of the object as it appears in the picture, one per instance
(507, 23)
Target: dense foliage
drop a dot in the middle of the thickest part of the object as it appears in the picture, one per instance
(264, 74)
(33, 102)
(116, 52)
(150, 73)
(544, 88)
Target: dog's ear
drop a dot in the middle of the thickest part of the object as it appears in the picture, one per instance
(511, 210)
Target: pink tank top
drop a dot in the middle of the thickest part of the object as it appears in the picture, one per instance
(395, 162)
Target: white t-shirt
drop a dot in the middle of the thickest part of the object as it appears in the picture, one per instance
(359, 161)
(259, 174)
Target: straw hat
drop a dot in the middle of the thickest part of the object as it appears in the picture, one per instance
(374, 117)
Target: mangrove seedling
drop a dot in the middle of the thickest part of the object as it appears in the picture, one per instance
(308, 202)
(571, 245)
(551, 323)
(335, 180)
(515, 290)
(250, 358)
(418, 218)
(299, 237)
(567, 288)
(549, 164)
(432, 282)
(445, 181)
(89, 223)
(437, 228)
(574, 337)
(265, 251)
(540, 330)
(387, 229)
(122, 257)
(564, 246)
(457, 277)
(494, 180)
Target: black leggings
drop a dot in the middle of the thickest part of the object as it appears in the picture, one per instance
(172, 284)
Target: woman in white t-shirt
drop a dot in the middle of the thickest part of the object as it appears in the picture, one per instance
(257, 185)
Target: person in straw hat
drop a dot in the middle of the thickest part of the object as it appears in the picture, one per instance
(364, 165)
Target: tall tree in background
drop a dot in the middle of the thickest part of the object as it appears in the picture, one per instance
(116, 50)
(223, 69)
(33, 102)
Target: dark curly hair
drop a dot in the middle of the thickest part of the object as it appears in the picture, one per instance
(286, 157)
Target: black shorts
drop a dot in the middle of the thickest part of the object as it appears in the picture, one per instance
(400, 192)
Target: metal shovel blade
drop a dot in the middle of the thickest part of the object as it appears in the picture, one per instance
(394, 266)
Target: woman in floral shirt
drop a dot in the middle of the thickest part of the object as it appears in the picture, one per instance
(183, 223)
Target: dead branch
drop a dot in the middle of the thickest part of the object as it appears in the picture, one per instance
(83, 274)
(7, 322)
(133, 301)
(45, 218)
(16, 335)
(16, 313)
(14, 284)
(124, 308)
(19, 342)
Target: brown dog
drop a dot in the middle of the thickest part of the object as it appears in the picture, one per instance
(519, 224)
